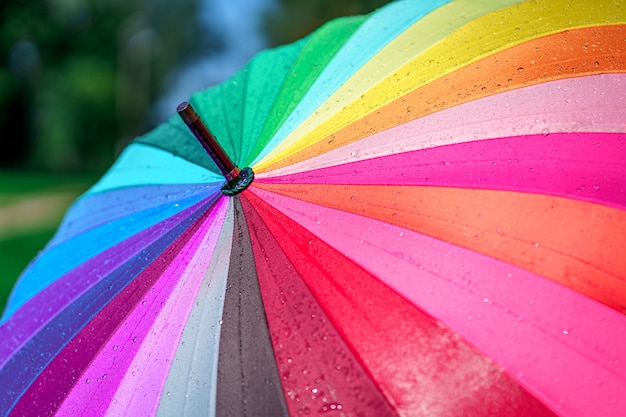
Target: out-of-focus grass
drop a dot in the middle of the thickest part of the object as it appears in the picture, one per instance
(15, 254)
(31, 207)
(23, 182)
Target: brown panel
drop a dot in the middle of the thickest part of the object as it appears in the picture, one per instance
(248, 380)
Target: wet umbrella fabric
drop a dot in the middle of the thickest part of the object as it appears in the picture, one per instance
(437, 227)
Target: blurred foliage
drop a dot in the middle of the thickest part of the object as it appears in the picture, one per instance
(78, 77)
(294, 19)
(27, 182)
(23, 232)
(15, 254)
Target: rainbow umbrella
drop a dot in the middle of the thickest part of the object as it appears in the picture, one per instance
(436, 226)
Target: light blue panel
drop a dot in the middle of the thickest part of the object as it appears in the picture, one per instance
(142, 164)
(93, 210)
(381, 27)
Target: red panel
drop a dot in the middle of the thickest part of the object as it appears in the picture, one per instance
(422, 367)
(319, 373)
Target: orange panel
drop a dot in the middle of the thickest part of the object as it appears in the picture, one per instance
(576, 243)
(568, 54)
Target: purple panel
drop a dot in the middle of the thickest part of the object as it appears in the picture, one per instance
(44, 306)
(28, 363)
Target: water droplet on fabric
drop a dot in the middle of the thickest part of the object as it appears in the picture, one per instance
(331, 407)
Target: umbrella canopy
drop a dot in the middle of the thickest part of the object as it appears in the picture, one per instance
(437, 226)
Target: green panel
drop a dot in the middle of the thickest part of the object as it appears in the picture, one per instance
(221, 108)
(246, 110)
(175, 137)
(268, 73)
(223, 111)
(319, 49)
(236, 110)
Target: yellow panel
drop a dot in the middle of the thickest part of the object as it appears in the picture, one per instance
(437, 49)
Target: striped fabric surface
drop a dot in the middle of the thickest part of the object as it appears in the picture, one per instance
(437, 228)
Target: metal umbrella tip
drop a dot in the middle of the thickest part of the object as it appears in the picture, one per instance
(182, 106)
(187, 113)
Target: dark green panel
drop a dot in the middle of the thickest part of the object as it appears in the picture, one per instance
(320, 48)
(245, 111)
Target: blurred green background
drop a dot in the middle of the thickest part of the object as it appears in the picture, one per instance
(79, 79)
